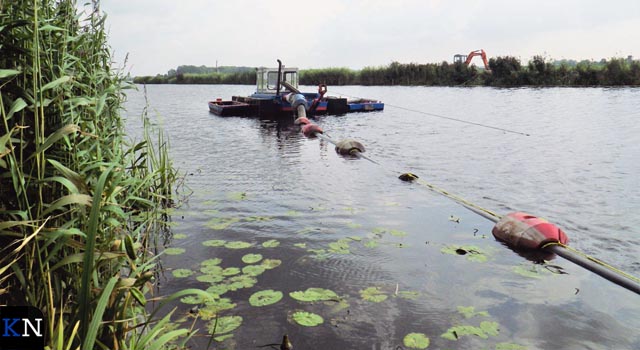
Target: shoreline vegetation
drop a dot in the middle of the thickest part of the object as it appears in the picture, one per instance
(83, 210)
(506, 71)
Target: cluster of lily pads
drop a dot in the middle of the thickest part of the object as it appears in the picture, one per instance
(371, 240)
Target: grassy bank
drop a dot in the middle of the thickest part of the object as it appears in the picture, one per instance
(505, 71)
(81, 210)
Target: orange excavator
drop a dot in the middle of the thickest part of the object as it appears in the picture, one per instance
(467, 58)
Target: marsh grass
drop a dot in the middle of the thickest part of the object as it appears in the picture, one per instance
(80, 209)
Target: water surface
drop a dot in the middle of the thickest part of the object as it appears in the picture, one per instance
(256, 181)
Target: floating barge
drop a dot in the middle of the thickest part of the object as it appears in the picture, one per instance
(277, 97)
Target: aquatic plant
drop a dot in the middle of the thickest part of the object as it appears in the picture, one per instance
(307, 319)
(373, 294)
(81, 208)
(314, 295)
(416, 341)
(265, 297)
(251, 258)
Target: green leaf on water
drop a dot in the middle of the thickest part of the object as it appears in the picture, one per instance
(221, 223)
(224, 324)
(314, 294)
(224, 337)
(241, 281)
(211, 278)
(218, 289)
(258, 218)
(528, 270)
(265, 297)
(214, 243)
(182, 273)
(485, 330)
(307, 319)
(472, 253)
(490, 328)
(237, 196)
(215, 305)
(231, 271)
(272, 243)
(237, 245)
(371, 244)
(510, 346)
(251, 258)
(407, 294)
(271, 263)
(174, 251)
(354, 225)
(211, 262)
(470, 311)
(300, 245)
(398, 233)
(292, 213)
(253, 270)
(355, 238)
(416, 341)
(179, 236)
(213, 270)
(373, 294)
(339, 247)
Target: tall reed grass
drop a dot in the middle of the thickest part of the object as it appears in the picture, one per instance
(80, 208)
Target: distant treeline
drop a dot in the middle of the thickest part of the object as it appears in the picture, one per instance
(505, 71)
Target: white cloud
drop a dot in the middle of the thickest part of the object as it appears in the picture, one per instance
(162, 34)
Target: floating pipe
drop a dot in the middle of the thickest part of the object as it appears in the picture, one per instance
(519, 230)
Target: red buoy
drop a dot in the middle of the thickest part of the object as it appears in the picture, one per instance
(524, 231)
(310, 130)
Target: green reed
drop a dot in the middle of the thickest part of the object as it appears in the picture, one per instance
(80, 208)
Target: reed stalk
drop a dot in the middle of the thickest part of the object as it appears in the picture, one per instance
(79, 207)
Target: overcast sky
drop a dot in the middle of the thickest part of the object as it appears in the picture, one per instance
(160, 35)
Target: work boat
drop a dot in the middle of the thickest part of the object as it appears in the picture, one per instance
(277, 96)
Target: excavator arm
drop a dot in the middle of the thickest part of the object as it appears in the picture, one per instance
(480, 53)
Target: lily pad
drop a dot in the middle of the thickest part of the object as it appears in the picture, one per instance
(181, 273)
(211, 270)
(470, 311)
(371, 244)
(271, 263)
(237, 196)
(292, 213)
(231, 271)
(257, 218)
(218, 289)
(253, 270)
(179, 236)
(373, 294)
(191, 299)
(472, 253)
(531, 271)
(485, 330)
(307, 319)
(265, 297)
(241, 281)
(221, 223)
(237, 245)
(210, 278)
(224, 324)
(272, 243)
(339, 247)
(407, 294)
(314, 294)
(174, 251)
(354, 225)
(397, 233)
(215, 305)
(224, 337)
(211, 262)
(416, 341)
(214, 243)
(251, 258)
(300, 245)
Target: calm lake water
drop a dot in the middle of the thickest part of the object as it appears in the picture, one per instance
(351, 226)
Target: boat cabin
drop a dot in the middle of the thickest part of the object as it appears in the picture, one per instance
(267, 79)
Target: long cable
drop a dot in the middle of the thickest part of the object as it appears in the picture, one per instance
(590, 263)
(448, 118)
